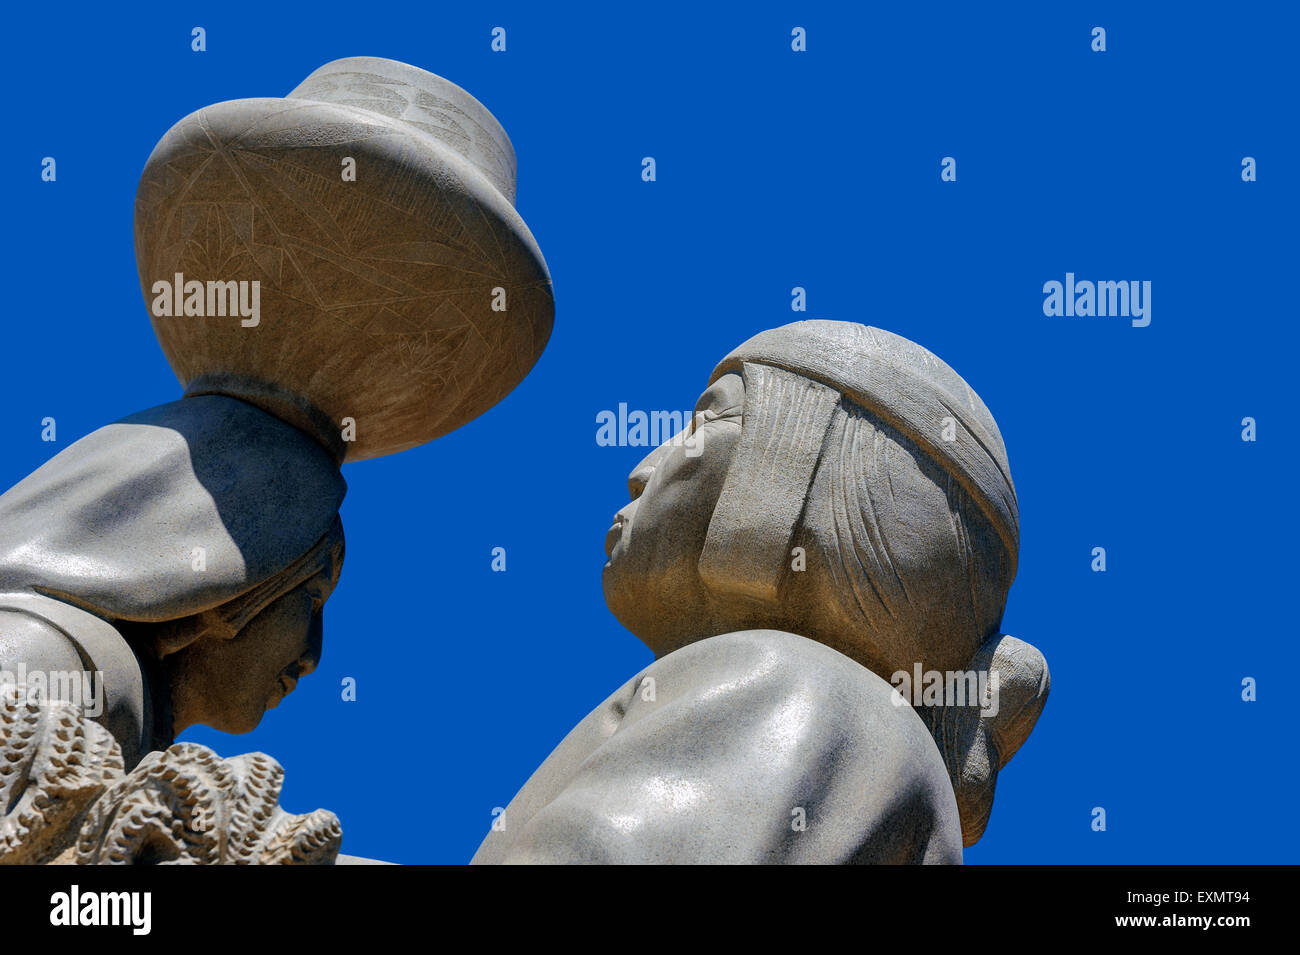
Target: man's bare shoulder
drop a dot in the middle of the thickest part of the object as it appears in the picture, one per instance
(755, 746)
(772, 682)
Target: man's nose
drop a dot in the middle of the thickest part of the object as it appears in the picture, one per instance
(639, 478)
(641, 474)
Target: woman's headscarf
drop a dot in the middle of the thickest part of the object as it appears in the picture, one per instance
(202, 503)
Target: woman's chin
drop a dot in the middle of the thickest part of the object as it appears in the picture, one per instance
(236, 723)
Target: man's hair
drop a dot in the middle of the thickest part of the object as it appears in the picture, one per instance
(880, 461)
(916, 570)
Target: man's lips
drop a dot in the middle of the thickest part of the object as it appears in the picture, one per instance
(612, 537)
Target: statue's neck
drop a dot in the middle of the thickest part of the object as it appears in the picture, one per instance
(158, 730)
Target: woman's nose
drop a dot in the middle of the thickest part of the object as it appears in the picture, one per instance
(315, 642)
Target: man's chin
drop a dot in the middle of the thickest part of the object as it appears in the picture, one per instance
(630, 612)
(617, 600)
(609, 584)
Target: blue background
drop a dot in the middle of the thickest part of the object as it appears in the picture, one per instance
(775, 169)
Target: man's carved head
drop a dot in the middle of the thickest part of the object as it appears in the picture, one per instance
(843, 484)
(850, 488)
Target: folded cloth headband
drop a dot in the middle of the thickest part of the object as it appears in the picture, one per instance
(804, 369)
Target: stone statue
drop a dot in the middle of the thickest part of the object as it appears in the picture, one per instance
(839, 520)
(63, 780)
(334, 275)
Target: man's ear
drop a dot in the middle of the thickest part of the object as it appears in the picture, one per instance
(978, 739)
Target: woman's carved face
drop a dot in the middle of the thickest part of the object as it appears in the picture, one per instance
(229, 684)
